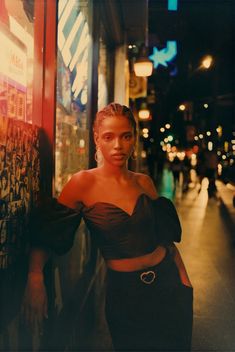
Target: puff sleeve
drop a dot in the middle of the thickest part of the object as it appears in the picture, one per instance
(168, 225)
(53, 226)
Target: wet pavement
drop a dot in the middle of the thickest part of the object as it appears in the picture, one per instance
(208, 250)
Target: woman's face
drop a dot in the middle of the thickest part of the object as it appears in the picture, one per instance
(115, 138)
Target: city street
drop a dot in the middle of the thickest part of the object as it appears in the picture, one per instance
(207, 248)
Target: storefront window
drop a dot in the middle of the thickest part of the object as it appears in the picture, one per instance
(19, 139)
(102, 76)
(72, 133)
(17, 54)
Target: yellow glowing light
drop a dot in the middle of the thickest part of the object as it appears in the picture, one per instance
(167, 125)
(196, 138)
(145, 130)
(207, 62)
(225, 146)
(143, 68)
(219, 130)
(193, 159)
(182, 107)
(162, 129)
(206, 106)
(200, 136)
(181, 155)
(82, 143)
(171, 156)
(210, 146)
(144, 114)
(208, 133)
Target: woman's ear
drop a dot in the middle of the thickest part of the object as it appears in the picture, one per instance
(96, 138)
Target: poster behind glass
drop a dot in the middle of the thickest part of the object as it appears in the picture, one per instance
(19, 140)
(72, 134)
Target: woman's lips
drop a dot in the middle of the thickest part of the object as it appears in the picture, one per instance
(118, 155)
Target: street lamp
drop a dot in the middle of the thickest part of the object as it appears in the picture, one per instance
(207, 62)
(182, 107)
(143, 67)
(144, 112)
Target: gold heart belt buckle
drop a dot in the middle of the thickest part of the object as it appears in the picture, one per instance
(148, 277)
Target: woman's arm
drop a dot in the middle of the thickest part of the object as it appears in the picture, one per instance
(180, 265)
(35, 298)
(44, 231)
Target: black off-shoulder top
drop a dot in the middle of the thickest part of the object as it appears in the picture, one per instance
(117, 233)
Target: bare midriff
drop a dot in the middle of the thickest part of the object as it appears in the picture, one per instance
(138, 263)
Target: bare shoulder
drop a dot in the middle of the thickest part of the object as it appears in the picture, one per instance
(76, 187)
(147, 184)
(83, 177)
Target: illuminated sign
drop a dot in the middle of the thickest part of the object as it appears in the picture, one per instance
(73, 43)
(172, 5)
(165, 55)
(13, 62)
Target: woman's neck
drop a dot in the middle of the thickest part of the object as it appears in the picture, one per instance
(114, 172)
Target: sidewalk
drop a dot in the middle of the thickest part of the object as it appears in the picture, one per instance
(225, 194)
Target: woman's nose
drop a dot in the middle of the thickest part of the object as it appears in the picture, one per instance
(117, 143)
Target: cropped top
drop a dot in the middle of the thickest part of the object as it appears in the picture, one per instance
(116, 233)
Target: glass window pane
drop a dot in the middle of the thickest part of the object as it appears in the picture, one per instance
(72, 134)
(17, 54)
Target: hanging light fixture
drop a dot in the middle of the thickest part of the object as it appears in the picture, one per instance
(143, 67)
(144, 112)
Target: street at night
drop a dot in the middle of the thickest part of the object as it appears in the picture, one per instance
(117, 117)
(208, 250)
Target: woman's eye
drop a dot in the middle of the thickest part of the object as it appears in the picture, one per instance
(127, 137)
(107, 138)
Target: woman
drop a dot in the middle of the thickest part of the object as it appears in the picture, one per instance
(149, 295)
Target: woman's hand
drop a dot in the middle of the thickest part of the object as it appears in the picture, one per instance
(34, 306)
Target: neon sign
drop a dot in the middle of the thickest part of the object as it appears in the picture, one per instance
(172, 5)
(165, 55)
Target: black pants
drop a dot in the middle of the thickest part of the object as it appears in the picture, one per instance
(155, 315)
